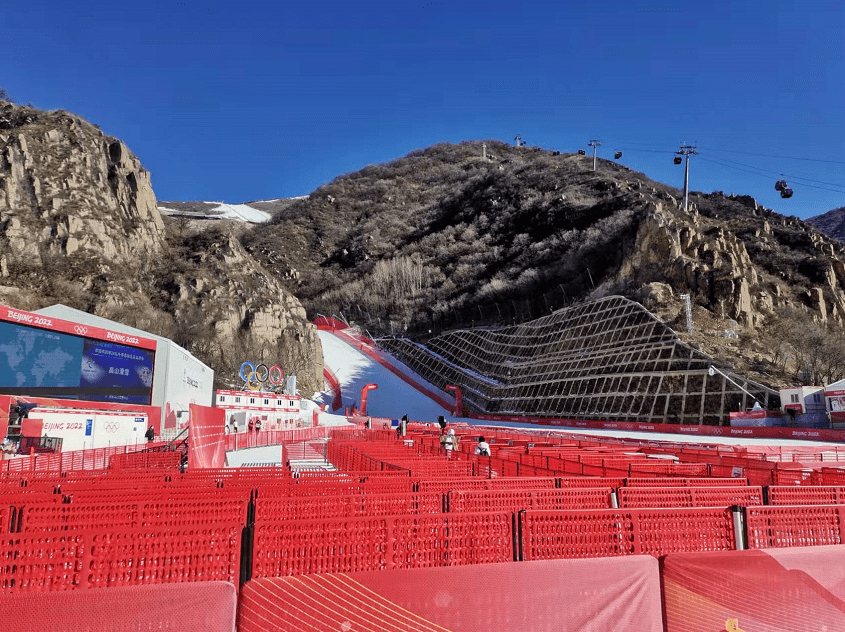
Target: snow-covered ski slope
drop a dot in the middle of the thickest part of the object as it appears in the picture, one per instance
(221, 210)
(394, 398)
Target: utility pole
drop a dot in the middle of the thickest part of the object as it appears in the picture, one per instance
(686, 150)
(594, 144)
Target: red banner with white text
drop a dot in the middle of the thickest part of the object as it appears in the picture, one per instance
(206, 446)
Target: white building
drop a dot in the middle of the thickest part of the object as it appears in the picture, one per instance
(179, 379)
(276, 411)
(803, 400)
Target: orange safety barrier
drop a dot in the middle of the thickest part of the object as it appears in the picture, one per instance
(609, 532)
(516, 500)
(806, 495)
(96, 558)
(714, 496)
(805, 525)
(342, 545)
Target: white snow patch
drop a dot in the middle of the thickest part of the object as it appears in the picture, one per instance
(242, 212)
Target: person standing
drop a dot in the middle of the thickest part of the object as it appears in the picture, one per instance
(441, 420)
(449, 441)
(257, 425)
(150, 434)
(483, 448)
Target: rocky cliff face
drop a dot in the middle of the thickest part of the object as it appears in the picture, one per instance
(709, 258)
(66, 188)
(79, 225)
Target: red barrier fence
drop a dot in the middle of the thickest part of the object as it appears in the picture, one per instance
(715, 496)
(684, 482)
(805, 525)
(806, 495)
(185, 512)
(345, 545)
(346, 506)
(609, 532)
(64, 560)
(92, 459)
(146, 460)
(540, 499)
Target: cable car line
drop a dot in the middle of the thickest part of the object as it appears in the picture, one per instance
(793, 176)
(754, 153)
(765, 175)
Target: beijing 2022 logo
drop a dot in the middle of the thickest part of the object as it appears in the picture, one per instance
(257, 377)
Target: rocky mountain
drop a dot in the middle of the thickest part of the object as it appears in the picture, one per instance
(831, 223)
(79, 225)
(486, 233)
(454, 235)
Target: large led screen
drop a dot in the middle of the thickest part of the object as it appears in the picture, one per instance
(44, 363)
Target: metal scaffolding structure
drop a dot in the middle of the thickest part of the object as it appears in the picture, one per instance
(609, 359)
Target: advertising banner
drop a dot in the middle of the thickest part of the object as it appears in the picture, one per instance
(48, 323)
(820, 434)
(206, 447)
(779, 590)
(86, 429)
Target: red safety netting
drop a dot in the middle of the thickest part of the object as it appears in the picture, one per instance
(618, 595)
(786, 590)
(199, 606)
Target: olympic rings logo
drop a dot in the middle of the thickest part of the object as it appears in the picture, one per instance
(81, 330)
(111, 426)
(256, 376)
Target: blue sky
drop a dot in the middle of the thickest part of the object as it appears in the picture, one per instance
(237, 102)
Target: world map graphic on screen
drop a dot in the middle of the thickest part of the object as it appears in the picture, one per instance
(47, 363)
(34, 357)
